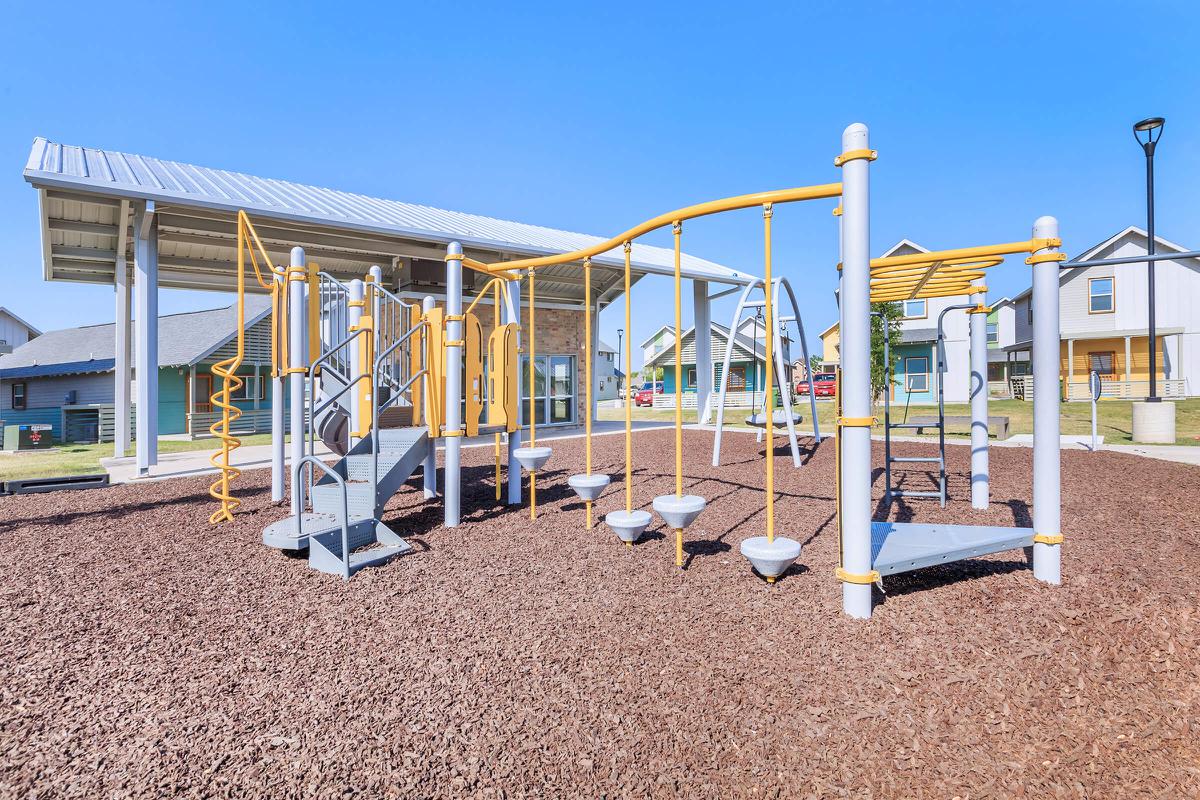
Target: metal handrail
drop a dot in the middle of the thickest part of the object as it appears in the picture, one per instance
(345, 516)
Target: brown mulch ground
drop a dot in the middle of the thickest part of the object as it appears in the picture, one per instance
(145, 653)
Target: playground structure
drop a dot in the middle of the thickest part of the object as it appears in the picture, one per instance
(416, 369)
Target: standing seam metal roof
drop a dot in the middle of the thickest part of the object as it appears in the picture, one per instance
(134, 176)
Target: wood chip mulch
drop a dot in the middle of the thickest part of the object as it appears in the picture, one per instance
(144, 653)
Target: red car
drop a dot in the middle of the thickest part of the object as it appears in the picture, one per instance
(645, 395)
(824, 385)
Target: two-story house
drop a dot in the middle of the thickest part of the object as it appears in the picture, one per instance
(1103, 318)
(14, 331)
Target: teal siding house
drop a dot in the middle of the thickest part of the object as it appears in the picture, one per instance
(66, 378)
(745, 364)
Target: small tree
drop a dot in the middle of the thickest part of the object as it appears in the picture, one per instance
(814, 364)
(885, 321)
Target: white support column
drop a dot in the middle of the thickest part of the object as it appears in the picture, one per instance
(1128, 361)
(297, 360)
(278, 393)
(121, 433)
(979, 401)
(1047, 499)
(429, 466)
(145, 257)
(512, 314)
(1070, 365)
(257, 386)
(702, 317)
(855, 439)
(191, 401)
(452, 479)
(350, 398)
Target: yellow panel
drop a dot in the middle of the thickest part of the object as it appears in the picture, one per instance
(366, 359)
(503, 377)
(473, 373)
(436, 379)
(418, 387)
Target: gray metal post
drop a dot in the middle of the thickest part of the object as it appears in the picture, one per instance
(855, 438)
(512, 314)
(979, 401)
(277, 429)
(454, 359)
(297, 360)
(121, 431)
(702, 316)
(429, 466)
(1047, 499)
(355, 315)
(145, 250)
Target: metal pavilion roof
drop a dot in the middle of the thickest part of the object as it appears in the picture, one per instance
(85, 192)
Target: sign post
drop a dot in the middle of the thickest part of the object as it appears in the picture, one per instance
(1096, 386)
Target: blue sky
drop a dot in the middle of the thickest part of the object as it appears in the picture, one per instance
(985, 116)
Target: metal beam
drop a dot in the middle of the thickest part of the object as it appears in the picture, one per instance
(1105, 262)
(77, 226)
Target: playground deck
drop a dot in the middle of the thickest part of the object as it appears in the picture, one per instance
(143, 652)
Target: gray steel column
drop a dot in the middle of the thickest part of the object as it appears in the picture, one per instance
(429, 465)
(121, 432)
(145, 257)
(512, 314)
(354, 317)
(454, 359)
(1047, 499)
(856, 373)
(979, 402)
(277, 415)
(297, 360)
(702, 317)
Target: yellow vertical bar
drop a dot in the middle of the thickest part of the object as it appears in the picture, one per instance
(587, 371)
(493, 369)
(532, 412)
(628, 398)
(314, 313)
(770, 369)
(678, 231)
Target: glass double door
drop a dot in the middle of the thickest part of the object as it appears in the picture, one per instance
(553, 389)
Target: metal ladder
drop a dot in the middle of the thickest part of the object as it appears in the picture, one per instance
(891, 492)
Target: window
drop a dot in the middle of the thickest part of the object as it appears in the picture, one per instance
(993, 333)
(737, 379)
(1100, 295)
(553, 389)
(915, 309)
(18, 396)
(1102, 362)
(249, 388)
(1029, 311)
(916, 374)
(691, 377)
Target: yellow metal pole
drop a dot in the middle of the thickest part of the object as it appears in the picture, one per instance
(628, 398)
(587, 350)
(532, 412)
(770, 367)
(677, 228)
(495, 327)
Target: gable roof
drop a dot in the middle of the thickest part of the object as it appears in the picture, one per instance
(183, 339)
(650, 338)
(745, 347)
(173, 184)
(33, 330)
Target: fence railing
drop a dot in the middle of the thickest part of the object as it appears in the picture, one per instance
(1174, 388)
(251, 421)
(732, 400)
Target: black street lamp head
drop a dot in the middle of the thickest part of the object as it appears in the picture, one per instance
(1152, 127)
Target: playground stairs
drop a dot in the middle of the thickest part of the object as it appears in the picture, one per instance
(369, 542)
(939, 460)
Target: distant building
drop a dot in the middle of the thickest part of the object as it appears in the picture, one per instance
(745, 366)
(14, 331)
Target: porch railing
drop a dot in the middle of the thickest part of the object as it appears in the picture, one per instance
(1175, 388)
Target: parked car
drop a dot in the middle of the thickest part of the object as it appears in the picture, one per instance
(824, 385)
(645, 394)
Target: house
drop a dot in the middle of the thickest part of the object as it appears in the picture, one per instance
(1003, 365)
(14, 331)
(656, 342)
(745, 365)
(915, 359)
(1103, 319)
(65, 378)
(607, 375)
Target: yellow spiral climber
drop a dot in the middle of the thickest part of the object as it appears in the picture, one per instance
(227, 369)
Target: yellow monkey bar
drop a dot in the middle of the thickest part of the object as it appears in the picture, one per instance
(942, 273)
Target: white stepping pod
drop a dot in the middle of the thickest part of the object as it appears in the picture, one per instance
(679, 512)
(588, 487)
(771, 559)
(532, 458)
(628, 525)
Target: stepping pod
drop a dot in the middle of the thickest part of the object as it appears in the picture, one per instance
(628, 525)
(771, 558)
(679, 512)
(532, 458)
(588, 487)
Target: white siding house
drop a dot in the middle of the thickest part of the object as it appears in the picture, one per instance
(14, 331)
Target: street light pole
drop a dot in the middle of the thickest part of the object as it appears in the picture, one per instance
(1152, 127)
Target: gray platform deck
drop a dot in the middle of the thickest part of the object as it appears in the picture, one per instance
(903, 546)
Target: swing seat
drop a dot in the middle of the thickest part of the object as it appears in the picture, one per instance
(780, 418)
